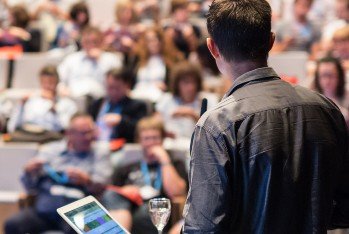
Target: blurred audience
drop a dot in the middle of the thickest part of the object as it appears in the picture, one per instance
(180, 109)
(330, 81)
(117, 114)
(341, 20)
(212, 77)
(156, 175)
(18, 32)
(45, 110)
(48, 14)
(298, 33)
(62, 172)
(154, 57)
(184, 34)
(122, 35)
(340, 46)
(69, 33)
(82, 73)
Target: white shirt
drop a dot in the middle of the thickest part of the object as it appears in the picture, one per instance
(83, 75)
(182, 127)
(37, 111)
(148, 78)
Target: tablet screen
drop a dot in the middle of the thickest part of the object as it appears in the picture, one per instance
(90, 218)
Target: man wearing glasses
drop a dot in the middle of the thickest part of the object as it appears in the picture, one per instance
(62, 172)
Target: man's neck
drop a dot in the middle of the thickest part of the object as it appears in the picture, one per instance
(239, 68)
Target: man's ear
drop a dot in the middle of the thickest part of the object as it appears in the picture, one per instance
(213, 48)
(272, 40)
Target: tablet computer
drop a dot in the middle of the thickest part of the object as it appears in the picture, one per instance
(88, 216)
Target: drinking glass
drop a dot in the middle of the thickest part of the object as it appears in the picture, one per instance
(160, 210)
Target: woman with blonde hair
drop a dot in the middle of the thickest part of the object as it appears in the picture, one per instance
(123, 34)
(155, 55)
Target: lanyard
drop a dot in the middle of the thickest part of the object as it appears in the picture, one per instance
(109, 108)
(146, 175)
(53, 174)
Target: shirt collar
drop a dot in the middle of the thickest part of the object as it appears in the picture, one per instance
(67, 152)
(254, 75)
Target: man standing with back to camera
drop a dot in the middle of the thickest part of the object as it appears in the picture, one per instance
(271, 157)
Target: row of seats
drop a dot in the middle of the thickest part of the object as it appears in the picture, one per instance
(25, 70)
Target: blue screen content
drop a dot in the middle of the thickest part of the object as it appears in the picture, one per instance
(92, 219)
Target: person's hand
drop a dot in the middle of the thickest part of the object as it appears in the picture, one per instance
(109, 39)
(20, 33)
(25, 98)
(74, 34)
(184, 111)
(159, 153)
(162, 86)
(131, 189)
(112, 120)
(127, 42)
(78, 177)
(34, 166)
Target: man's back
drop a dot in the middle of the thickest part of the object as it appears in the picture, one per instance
(272, 156)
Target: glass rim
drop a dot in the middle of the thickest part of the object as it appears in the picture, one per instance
(160, 199)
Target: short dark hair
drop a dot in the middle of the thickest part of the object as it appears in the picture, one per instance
(340, 90)
(241, 29)
(21, 16)
(178, 4)
(182, 71)
(49, 70)
(77, 8)
(122, 74)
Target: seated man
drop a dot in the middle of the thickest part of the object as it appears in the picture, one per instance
(45, 110)
(117, 114)
(156, 175)
(82, 73)
(62, 173)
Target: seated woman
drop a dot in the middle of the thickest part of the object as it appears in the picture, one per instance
(69, 33)
(47, 110)
(155, 55)
(330, 81)
(122, 35)
(156, 175)
(180, 109)
(18, 32)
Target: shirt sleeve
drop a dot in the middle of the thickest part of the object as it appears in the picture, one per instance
(208, 207)
(64, 70)
(16, 118)
(67, 108)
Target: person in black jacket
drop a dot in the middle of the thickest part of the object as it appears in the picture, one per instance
(270, 157)
(117, 114)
